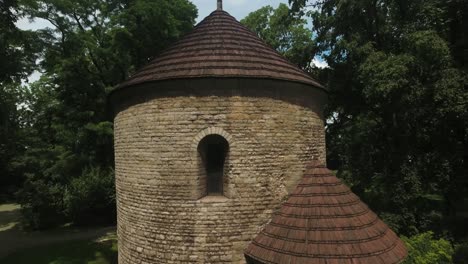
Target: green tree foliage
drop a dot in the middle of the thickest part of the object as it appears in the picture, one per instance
(287, 34)
(17, 58)
(8, 135)
(424, 249)
(17, 47)
(90, 198)
(461, 254)
(398, 110)
(90, 47)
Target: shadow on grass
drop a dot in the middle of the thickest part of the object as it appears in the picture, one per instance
(9, 216)
(15, 240)
(74, 244)
(76, 252)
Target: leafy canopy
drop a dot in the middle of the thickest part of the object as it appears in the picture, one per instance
(424, 249)
(68, 135)
(398, 108)
(288, 35)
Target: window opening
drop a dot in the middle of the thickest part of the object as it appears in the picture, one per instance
(213, 150)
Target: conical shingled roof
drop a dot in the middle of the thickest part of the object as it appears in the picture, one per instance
(220, 46)
(324, 222)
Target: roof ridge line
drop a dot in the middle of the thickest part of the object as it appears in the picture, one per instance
(373, 222)
(309, 241)
(327, 256)
(323, 205)
(322, 216)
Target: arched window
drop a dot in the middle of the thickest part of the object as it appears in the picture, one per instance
(213, 150)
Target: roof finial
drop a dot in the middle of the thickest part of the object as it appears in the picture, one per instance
(220, 4)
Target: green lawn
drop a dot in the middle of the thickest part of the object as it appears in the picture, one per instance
(60, 246)
(9, 216)
(76, 252)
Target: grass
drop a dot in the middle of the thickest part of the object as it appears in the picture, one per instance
(65, 245)
(9, 216)
(76, 252)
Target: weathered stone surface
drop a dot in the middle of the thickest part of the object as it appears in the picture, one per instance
(273, 128)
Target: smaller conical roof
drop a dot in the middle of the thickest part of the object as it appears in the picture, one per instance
(324, 222)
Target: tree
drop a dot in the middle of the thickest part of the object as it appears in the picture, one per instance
(17, 47)
(17, 58)
(92, 46)
(8, 133)
(424, 249)
(398, 105)
(285, 33)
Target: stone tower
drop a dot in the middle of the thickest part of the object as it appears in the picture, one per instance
(209, 139)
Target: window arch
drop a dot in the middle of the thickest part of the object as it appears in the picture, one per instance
(213, 150)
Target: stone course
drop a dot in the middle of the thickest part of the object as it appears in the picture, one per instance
(273, 129)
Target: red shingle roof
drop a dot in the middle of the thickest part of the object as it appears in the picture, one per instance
(220, 46)
(324, 222)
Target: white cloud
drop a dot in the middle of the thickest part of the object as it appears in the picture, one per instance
(319, 63)
(25, 24)
(35, 76)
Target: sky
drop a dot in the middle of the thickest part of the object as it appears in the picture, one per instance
(237, 8)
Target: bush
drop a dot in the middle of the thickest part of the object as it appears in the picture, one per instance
(424, 249)
(41, 204)
(49, 199)
(461, 254)
(90, 199)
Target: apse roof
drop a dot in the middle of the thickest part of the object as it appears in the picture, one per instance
(220, 46)
(324, 222)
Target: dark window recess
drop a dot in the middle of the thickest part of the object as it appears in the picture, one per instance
(213, 150)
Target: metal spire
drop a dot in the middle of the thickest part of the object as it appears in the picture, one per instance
(220, 4)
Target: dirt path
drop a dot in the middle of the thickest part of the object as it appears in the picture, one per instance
(13, 239)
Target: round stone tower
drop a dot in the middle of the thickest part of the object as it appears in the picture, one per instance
(209, 139)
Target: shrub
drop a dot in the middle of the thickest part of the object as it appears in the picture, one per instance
(90, 198)
(424, 249)
(461, 254)
(41, 204)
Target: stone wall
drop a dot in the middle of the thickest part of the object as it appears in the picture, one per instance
(273, 128)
